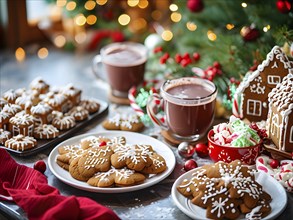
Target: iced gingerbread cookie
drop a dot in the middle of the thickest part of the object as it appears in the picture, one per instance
(226, 190)
(11, 109)
(124, 122)
(79, 113)
(90, 105)
(21, 123)
(42, 113)
(64, 122)
(45, 131)
(4, 136)
(39, 85)
(118, 177)
(158, 164)
(21, 143)
(67, 154)
(2, 103)
(92, 161)
(10, 96)
(135, 157)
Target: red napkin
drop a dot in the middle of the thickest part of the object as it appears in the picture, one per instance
(29, 189)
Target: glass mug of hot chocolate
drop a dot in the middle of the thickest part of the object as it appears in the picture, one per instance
(124, 65)
(187, 105)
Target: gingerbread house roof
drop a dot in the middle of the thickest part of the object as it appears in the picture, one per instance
(276, 53)
(282, 95)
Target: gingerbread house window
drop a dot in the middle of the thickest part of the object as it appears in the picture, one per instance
(254, 107)
(275, 125)
(30, 130)
(273, 80)
(291, 135)
(15, 130)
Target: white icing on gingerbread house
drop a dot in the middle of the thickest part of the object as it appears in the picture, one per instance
(251, 97)
(280, 117)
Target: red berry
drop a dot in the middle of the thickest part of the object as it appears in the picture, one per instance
(163, 60)
(153, 90)
(158, 49)
(186, 56)
(217, 65)
(40, 166)
(196, 56)
(190, 164)
(274, 163)
(166, 56)
(184, 62)
(103, 143)
(178, 58)
(201, 150)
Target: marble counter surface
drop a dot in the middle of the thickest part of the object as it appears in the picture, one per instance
(61, 68)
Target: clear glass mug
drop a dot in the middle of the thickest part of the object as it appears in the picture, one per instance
(124, 65)
(187, 105)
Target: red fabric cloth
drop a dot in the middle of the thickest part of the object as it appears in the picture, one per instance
(29, 189)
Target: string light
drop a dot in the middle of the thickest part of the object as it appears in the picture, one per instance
(191, 26)
(230, 26)
(91, 19)
(80, 19)
(132, 3)
(243, 4)
(173, 7)
(59, 41)
(143, 4)
(43, 53)
(90, 5)
(20, 54)
(167, 35)
(176, 17)
(71, 6)
(101, 2)
(211, 35)
(61, 3)
(266, 28)
(124, 19)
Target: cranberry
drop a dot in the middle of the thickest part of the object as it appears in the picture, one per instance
(201, 150)
(190, 164)
(274, 163)
(40, 165)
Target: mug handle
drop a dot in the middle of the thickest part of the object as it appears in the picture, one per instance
(155, 110)
(97, 66)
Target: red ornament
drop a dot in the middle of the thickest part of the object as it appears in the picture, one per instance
(274, 163)
(195, 5)
(190, 164)
(249, 33)
(201, 150)
(178, 58)
(40, 166)
(217, 65)
(283, 6)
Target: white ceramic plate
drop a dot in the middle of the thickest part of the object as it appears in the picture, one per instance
(131, 138)
(269, 184)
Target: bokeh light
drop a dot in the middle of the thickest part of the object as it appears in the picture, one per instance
(20, 54)
(43, 53)
(71, 6)
(211, 35)
(173, 7)
(59, 41)
(80, 19)
(61, 3)
(230, 26)
(167, 35)
(191, 26)
(101, 2)
(91, 19)
(176, 17)
(143, 4)
(90, 5)
(132, 3)
(124, 19)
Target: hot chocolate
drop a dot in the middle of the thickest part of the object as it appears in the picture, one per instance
(125, 68)
(188, 119)
(187, 104)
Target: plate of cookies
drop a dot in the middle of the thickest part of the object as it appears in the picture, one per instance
(228, 191)
(38, 117)
(111, 161)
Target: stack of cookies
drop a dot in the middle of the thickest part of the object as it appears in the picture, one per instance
(226, 191)
(37, 113)
(104, 162)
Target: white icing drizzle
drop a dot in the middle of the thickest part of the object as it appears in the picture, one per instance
(89, 104)
(22, 119)
(11, 108)
(135, 153)
(4, 116)
(95, 157)
(9, 95)
(4, 135)
(254, 214)
(64, 122)
(38, 83)
(46, 131)
(41, 109)
(20, 142)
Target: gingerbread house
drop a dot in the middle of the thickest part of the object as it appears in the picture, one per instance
(280, 116)
(251, 97)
